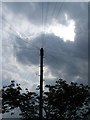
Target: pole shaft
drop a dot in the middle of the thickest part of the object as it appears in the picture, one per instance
(41, 83)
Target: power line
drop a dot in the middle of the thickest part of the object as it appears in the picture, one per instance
(42, 26)
(43, 39)
(31, 43)
(23, 40)
(13, 46)
(45, 23)
(18, 34)
(60, 8)
(54, 9)
(47, 15)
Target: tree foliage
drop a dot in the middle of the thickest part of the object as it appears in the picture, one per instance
(62, 101)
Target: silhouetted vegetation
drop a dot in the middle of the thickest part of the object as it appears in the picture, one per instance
(62, 101)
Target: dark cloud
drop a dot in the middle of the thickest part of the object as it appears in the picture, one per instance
(70, 58)
(66, 59)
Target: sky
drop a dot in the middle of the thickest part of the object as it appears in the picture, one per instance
(60, 28)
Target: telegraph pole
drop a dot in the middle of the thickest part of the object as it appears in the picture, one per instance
(41, 84)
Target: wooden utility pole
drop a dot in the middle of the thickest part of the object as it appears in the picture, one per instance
(41, 84)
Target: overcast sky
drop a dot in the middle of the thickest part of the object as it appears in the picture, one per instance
(60, 28)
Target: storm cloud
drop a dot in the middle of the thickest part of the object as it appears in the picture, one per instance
(28, 27)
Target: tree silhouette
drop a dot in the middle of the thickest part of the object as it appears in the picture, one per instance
(13, 98)
(62, 101)
(65, 100)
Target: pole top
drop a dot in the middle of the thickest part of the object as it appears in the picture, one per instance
(41, 49)
(42, 52)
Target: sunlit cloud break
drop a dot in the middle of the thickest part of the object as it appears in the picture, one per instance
(63, 31)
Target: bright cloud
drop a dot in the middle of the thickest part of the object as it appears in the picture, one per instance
(62, 31)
